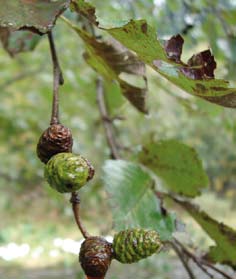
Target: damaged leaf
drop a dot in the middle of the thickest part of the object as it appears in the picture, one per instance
(85, 9)
(224, 236)
(111, 60)
(195, 77)
(177, 165)
(18, 41)
(38, 16)
(173, 48)
(200, 66)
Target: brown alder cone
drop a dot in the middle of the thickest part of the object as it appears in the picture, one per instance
(55, 139)
(95, 256)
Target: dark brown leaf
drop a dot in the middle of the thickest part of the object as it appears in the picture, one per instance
(200, 66)
(173, 48)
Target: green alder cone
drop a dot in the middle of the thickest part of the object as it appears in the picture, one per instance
(66, 172)
(133, 245)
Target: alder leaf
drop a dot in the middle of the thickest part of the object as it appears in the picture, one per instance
(224, 236)
(85, 9)
(18, 41)
(38, 16)
(111, 60)
(133, 204)
(177, 165)
(195, 77)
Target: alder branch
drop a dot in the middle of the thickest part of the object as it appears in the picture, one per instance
(193, 257)
(57, 80)
(183, 260)
(106, 120)
(75, 200)
(201, 262)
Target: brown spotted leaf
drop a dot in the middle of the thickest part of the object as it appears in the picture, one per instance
(85, 9)
(38, 16)
(224, 236)
(195, 77)
(18, 41)
(115, 62)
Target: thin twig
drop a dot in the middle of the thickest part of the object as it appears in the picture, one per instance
(57, 80)
(184, 262)
(202, 261)
(197, 261)
(108, 125)
(75, 200)
(213, 267)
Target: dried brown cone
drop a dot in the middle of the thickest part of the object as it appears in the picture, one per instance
(95, 256)
(55, 139)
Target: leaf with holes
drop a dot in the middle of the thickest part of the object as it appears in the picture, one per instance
(195, 77)
(132, 201)
(38, 16)
(224, 236)
(177, 165)
(115, 62)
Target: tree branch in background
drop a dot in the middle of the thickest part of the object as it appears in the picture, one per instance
(106, 120)
(183, 260)
(75, 200)
(57, 80)
(201, 262)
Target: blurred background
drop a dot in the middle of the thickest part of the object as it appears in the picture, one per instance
(38, 236)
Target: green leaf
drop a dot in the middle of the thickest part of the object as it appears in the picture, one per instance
(196, 77)
(111, 60)
(177, 165)
(132, 202)
(39, 16)
(15, 42)
(225, 237)
(152, 52)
